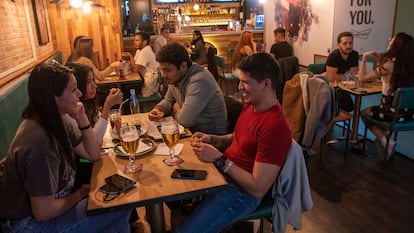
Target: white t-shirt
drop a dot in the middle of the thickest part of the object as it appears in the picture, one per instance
(159, 42)
(146, 58)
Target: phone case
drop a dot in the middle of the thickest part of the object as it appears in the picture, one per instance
(120, 182)
(109, 189)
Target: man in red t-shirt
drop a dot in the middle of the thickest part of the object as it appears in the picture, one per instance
(253, 154)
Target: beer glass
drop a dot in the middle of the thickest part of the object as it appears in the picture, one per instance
(129, 140)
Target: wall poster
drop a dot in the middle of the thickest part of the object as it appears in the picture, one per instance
(40, 21)
(370, 21)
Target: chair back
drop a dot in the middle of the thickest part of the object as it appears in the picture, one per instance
(404, 98)
(288, 67)
(316, 68)
(234, 109)
(211, 64)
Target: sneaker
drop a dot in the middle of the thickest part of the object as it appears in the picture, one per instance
(391, 149)
(380, 148)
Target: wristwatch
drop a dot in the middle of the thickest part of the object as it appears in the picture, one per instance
(220, 162)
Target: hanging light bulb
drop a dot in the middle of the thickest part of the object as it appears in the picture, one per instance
(196, 7)
(76, 3)
(87, 7)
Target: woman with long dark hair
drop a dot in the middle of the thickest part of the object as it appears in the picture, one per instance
(396, 69)
(198, 54)
(98, 117)
(38, 173)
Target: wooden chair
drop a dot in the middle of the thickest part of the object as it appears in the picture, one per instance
(403, 99)
(223, 77)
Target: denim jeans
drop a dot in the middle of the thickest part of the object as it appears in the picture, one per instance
(219, 209)
(74, 220)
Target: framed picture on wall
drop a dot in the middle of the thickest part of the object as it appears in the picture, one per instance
(40, 21)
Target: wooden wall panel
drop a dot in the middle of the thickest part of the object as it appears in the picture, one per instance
(103, 24)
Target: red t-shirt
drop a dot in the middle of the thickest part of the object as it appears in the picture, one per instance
(260, 136)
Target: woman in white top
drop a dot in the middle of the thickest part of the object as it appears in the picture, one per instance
(86, 84)
(396, 69)
(84, 54)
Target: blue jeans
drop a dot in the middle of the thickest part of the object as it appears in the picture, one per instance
(74, 220)
(219, 209)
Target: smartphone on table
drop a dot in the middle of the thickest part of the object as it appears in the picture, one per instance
(189, 174)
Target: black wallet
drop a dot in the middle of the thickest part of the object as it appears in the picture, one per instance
(117, 184)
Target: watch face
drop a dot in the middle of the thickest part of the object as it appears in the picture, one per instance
(220, 162)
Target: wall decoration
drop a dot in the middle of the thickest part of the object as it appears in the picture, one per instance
(296, 16)
(40, 21)
(370, 22)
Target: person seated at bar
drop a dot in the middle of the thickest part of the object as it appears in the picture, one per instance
(198, 50)
(38, 173)
(75, 45)
(162, 39)
(255, 151)
(340, 62)
(281, 48)
(84, 54)
(193, 95)
(395, 70)
(144, 63)
(245, 47)
(98, 117)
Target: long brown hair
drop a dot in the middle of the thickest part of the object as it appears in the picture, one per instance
(402, 52)
(84, 48)
(46, 82)
(245, 39)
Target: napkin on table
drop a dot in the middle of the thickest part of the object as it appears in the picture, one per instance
(163, 149)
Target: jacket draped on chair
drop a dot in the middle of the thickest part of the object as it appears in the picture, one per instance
(291, 191)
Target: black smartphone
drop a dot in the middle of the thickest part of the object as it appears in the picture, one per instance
(189, 174)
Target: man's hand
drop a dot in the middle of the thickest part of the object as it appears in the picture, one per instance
(155, 115)
(205, 152)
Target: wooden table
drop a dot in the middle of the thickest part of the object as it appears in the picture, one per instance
(131, 77)
(369, 88)
(132, 80)
(154, 184)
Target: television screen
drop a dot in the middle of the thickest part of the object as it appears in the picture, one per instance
(170, 1)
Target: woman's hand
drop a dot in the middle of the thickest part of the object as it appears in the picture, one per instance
(114, 97)
(116, 64)
(79, 115)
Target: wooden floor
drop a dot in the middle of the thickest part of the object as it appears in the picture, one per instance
(356, 196)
